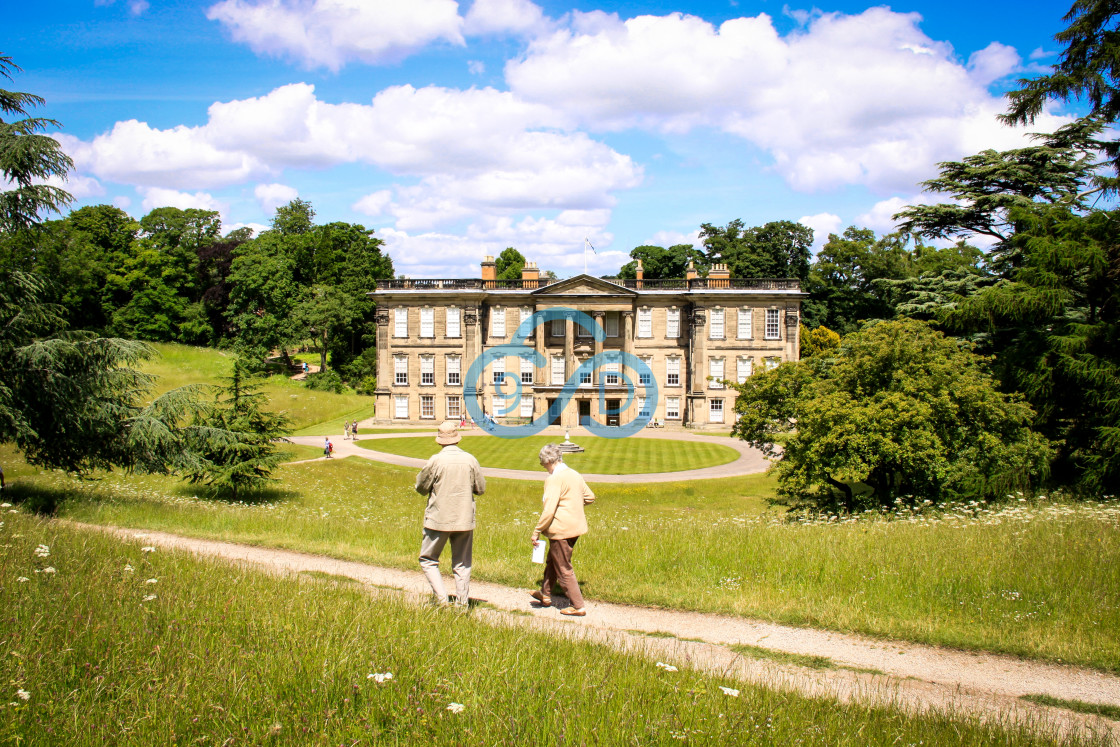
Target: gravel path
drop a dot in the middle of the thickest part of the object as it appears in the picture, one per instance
(909, 676)
(750, 461)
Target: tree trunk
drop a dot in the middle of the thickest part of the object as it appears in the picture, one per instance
(849, 498)
(323, 354)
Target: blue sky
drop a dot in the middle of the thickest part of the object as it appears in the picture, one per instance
(457, 129)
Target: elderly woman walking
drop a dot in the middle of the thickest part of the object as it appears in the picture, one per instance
(563, 522)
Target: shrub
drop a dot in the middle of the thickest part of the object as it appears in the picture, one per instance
(326, 381)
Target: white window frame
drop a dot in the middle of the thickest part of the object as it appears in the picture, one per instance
(427, 370)
(772, 362)
(715, 406)
(427, 322)
(498, 322)
(557, 368)
(428, 405)
(453, 319)
(585, 375)
(672, 408)
(498, 370)
(526, 406)
(400, 370)
(454, 366)
(743, 324)
(400, 322)
(582, 331)
(527, 369)
(672, 323)
(643, 407)
(773, 328)
(715, 372)
(671, 363)
(558, 328)
(645, 323)
(611, 322)
(398, 401)
(715, 324)
(523, 315)
(645, 379)
(744, 368)
(611, 374)
(454, 407)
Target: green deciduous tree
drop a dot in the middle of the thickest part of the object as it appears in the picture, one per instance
(898, 412)
(509, 264)
(778, 249)
(819, 341)
(659, 263)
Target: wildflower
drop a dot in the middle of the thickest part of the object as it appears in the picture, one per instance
(148, 548)
(128, 568)
(149, 598)
(455, 707)
(42, 551)
(23, 579)
(152, 581)
(380, 677)
(5, 505)
(49, 569)
(23, 695)
(729, 691)
(667, 667)
(275, 730)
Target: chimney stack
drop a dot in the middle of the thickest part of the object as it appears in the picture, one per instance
(640, 273)
(690, 273)
(530, 275)
(489, 271)
(719, 276)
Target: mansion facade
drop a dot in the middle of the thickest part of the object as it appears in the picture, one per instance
(692, 333)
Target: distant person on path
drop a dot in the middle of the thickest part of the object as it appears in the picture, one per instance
(354, 430)
(346, 430)
(563, 522)
(305, 367)
(451, 479)
(328, 447)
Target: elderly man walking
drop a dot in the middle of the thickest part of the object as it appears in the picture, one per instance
(563, 522)
(451, 479)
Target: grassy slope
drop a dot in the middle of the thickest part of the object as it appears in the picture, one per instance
(225, 655)
(604, 456)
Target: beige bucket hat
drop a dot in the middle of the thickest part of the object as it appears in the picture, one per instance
(448, 433)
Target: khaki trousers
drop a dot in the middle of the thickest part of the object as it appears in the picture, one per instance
(558, 569)
(461, 545)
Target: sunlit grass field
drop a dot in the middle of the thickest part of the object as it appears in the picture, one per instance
(172, 649)
(1034, 579)
(603, 456)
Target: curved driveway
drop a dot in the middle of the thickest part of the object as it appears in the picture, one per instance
(750, 461)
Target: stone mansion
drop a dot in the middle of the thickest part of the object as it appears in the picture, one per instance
(691, 332)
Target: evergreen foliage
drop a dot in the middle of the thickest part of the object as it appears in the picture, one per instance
(509, 264)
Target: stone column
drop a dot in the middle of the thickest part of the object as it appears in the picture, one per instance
(569, 360)
(598, 315)
(472, 349)
(542, 374)
(383, 401)
(698, 365)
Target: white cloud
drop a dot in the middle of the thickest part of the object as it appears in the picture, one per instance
(880, 217)
(136, 7)
(504, 16)
(330, 33)
(272, 196)
(476, 67)
(822, 224)
(851, 99)
(672, 238)
(256, 228)
(156, 197)
(1039, 54)
(122, 201)
(374, 204)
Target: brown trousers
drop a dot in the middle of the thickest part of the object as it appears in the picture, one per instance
(558, 569)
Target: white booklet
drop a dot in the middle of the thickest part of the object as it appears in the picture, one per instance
(538, 551)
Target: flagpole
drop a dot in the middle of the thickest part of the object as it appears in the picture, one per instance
(585, 256)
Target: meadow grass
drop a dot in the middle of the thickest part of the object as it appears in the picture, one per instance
(1080, 706)
(125, 647)
(1033, 579)
(604, 456)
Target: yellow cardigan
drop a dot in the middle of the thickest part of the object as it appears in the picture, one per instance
(565, 494)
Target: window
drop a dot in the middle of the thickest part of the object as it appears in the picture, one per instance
(716, 328)
(427, 406)
(612, 324)
(400, 370)
(673, 408)
(401, 408)
(673, 372)
(400, 322)
(744, 324)
(454, 407)
(499, 369)
(558, 328)
(526, 371)
(427, 370)
(453, 363)
(525, 313)
(772, 324)
(645, 377)
(611, 371)
(643, 407)
(585, 375)
(557, 370)
(743, 370)
(526, 405)
(715, 371)
(453, 329)
(582, 331)
(715, 411)
(427, 322)
(645, 322)
(673, 323)
(772, 363)
(498, 322)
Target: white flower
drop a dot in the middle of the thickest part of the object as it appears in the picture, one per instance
(149, 598)
(49, 569)
(5, 505)
(455, 707)
(23, 695)
(380, 676)
(128, 568)
(42, 551)
(152, 581)
(13, 511)
(729, 691)
(149, 548)
(667, 667)
(23, 579)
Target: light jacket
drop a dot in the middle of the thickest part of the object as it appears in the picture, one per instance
(565, 494)
(450, 479)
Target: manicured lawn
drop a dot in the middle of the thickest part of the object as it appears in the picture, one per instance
(603, 456)
(1035, 580)
(118, 646)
